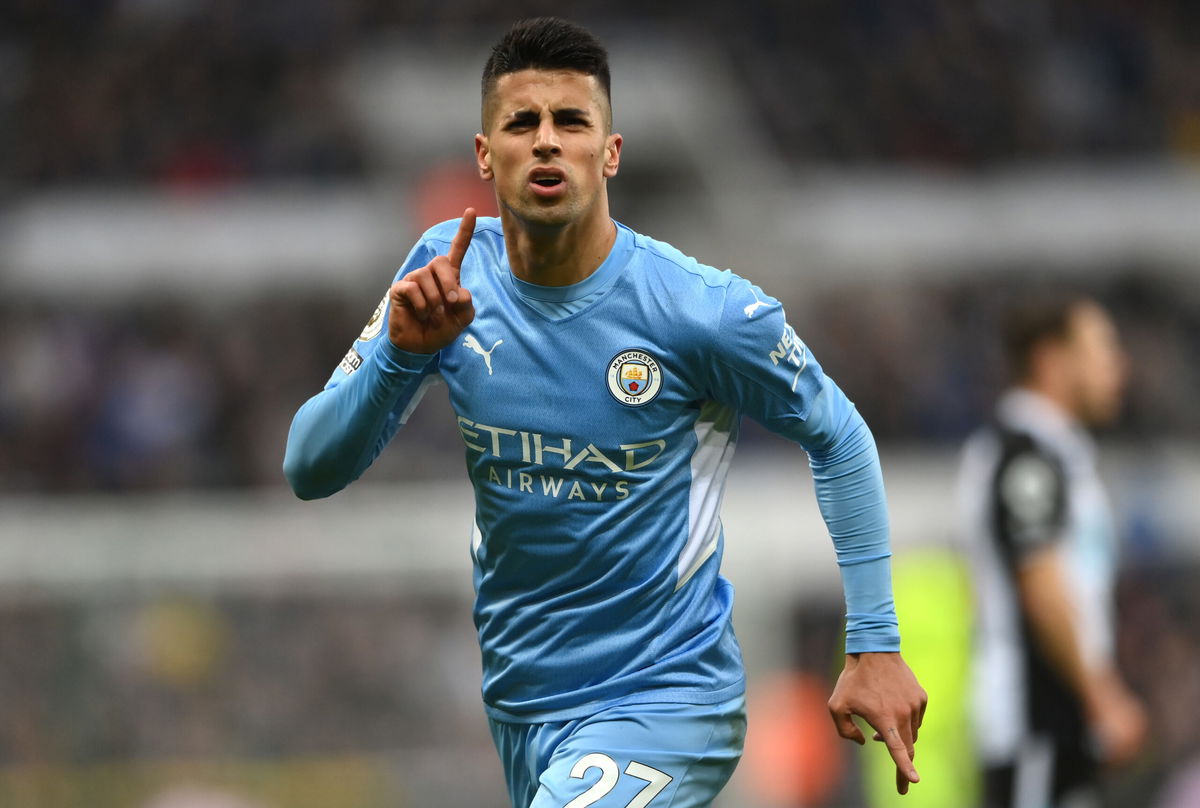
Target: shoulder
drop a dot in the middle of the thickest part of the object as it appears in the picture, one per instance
(695, 288)
(658, 258)
(688, 296)
(734, 291)
(1029, 489)
(1027, 464)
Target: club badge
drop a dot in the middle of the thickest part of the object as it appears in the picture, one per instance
(634, 378)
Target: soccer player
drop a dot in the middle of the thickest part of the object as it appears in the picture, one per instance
(1049, 705)
(598, 377)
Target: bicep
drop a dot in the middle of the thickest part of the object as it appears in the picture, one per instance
(1041, 575)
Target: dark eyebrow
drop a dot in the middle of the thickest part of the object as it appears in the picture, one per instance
(522, 116)
(571, 112)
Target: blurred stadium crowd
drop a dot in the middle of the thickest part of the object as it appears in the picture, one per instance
(162, 393)
(248, 676)
(182, 91)
(255, 700)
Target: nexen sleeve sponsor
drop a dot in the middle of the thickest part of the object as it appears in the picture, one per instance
(791, 350)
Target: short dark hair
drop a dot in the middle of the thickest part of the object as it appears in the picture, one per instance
(1033, 321)
(547, 43)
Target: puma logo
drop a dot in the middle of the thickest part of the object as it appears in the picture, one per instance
(753, 307)
(473, 344)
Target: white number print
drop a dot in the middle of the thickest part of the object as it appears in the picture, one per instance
(656, 781)
(608, 778)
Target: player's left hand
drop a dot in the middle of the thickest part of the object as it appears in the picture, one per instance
(884, 692)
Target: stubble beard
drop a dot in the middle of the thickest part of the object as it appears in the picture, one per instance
(549, 215)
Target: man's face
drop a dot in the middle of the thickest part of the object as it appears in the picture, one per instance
(547, 146)
(1097, 364)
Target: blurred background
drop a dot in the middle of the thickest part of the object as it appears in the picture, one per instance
(201, 202)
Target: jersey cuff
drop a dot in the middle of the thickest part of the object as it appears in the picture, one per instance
(872, 646)
(874, 634)
(871, 623)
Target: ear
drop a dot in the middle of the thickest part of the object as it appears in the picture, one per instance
(483, 158)
(612, 157)
(1049, 359)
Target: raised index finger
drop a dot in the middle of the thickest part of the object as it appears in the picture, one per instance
(462, 239)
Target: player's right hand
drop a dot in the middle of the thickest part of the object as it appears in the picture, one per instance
(428, 308)
(1118, 721)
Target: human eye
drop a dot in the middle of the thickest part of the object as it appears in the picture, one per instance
(572, 119)
(520, 121)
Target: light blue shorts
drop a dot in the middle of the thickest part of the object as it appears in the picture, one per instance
(635, 756)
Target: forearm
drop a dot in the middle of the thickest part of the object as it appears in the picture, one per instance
(337, 433)
(1042, 585)
(850, 494)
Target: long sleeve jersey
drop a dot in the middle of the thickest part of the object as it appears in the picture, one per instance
(598, 423)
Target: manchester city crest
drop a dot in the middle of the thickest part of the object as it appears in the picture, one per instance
(634, 377)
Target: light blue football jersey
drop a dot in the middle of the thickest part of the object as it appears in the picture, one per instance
(598, 423)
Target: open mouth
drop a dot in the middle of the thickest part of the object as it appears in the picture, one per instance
(548, 178)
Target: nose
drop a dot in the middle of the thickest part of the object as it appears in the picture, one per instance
(546, 143)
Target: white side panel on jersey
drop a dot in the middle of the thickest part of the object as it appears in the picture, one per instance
(715, 442)
(476, 541)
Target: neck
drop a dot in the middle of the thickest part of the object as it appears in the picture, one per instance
(1053, 392)
(558, 255)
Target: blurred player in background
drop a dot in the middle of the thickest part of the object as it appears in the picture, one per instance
(1050, 707)
(599, 377)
